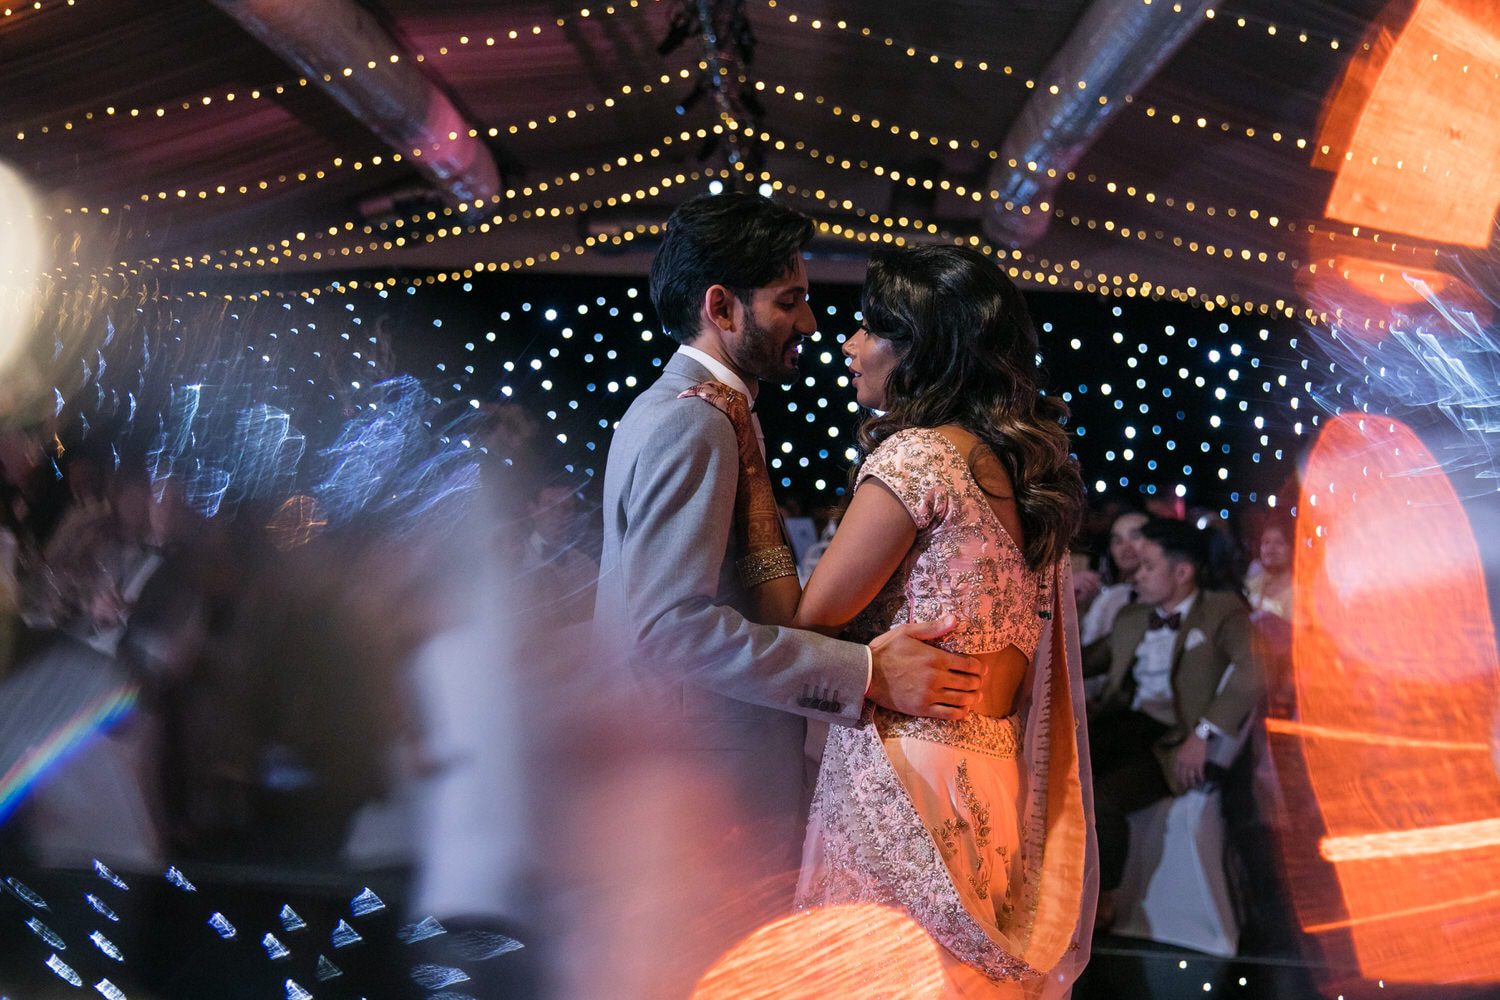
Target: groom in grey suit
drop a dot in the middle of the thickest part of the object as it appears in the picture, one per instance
(729, 285)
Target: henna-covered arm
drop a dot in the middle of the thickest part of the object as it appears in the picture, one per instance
(766, 567)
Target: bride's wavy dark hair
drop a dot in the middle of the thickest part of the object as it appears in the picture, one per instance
(968, 356)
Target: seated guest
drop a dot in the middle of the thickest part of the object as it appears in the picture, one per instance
(1086, 582)
(1225, 569)
(1120, 563)
(1269, 583)
(1179, 673)
(1269, 589)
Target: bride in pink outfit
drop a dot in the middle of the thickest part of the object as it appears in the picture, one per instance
(979, 826)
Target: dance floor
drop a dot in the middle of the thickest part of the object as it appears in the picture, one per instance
(242, 932)
(1129, 969)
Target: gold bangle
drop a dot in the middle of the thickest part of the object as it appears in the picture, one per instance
(765, 564)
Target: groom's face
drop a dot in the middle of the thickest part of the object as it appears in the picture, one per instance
(768, 342)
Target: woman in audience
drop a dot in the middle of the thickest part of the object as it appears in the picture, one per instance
(1120, 563)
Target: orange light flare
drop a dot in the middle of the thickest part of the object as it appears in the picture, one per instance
(834, 951)
(1398, 686)
(1371, 286)
(1411, 128)
(1384, 282)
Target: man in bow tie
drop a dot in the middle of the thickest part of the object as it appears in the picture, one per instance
(1180, 674)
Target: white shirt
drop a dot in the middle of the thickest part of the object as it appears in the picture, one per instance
(721, 372)
(1100, 618)
(1153, 669)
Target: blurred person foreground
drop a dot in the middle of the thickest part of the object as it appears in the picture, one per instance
(218, 750)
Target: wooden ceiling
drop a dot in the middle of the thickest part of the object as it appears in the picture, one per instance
(160, 111)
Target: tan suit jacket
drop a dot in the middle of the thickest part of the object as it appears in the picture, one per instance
(1215, 674)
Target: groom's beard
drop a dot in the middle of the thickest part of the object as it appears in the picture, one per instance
(761, 356)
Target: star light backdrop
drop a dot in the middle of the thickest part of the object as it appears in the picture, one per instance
(1168, 401)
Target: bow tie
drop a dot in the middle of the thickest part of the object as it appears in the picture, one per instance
(1172, 621)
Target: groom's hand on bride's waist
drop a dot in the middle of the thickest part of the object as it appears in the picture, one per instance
(915, 678)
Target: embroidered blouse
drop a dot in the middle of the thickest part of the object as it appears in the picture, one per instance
(963, 562)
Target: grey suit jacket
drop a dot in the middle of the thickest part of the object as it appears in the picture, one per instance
(668, 594)
(730, 692)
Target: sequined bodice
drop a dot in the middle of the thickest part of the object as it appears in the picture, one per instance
(963, 561)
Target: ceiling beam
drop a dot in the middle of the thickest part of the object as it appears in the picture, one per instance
(333, 43)
(1115, 49)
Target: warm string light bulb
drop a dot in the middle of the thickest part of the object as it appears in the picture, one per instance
(1048, 273)
(562, 180)
(625, 197)
(230, 95)
(920, 139)
(626, 90)
(934, 57)
(894, 174)
(21, 12)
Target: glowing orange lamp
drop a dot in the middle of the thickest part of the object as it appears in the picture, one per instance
(1398, 687)
(834, 951)
(1412, 129)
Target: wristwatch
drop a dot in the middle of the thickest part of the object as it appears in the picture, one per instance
(1205, 730)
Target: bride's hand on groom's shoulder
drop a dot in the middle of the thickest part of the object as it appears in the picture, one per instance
(915, 678)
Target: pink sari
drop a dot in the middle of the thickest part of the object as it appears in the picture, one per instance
(982, 830)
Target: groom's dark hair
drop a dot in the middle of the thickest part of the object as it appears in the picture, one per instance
(739, 240)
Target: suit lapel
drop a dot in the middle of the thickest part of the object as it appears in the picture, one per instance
(1196, 618)
(1190, 621)
(1127, 642)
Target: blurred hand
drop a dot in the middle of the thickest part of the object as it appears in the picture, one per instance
(1191, 759)
(1086, 587)
(914, 678)
(106, 608)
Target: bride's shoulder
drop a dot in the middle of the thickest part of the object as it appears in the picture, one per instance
(915, 435)
(910, 441)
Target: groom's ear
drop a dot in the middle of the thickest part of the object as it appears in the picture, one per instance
(719, 306)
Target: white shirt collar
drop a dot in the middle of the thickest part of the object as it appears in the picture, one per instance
(1184, 606)
(719, 371)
